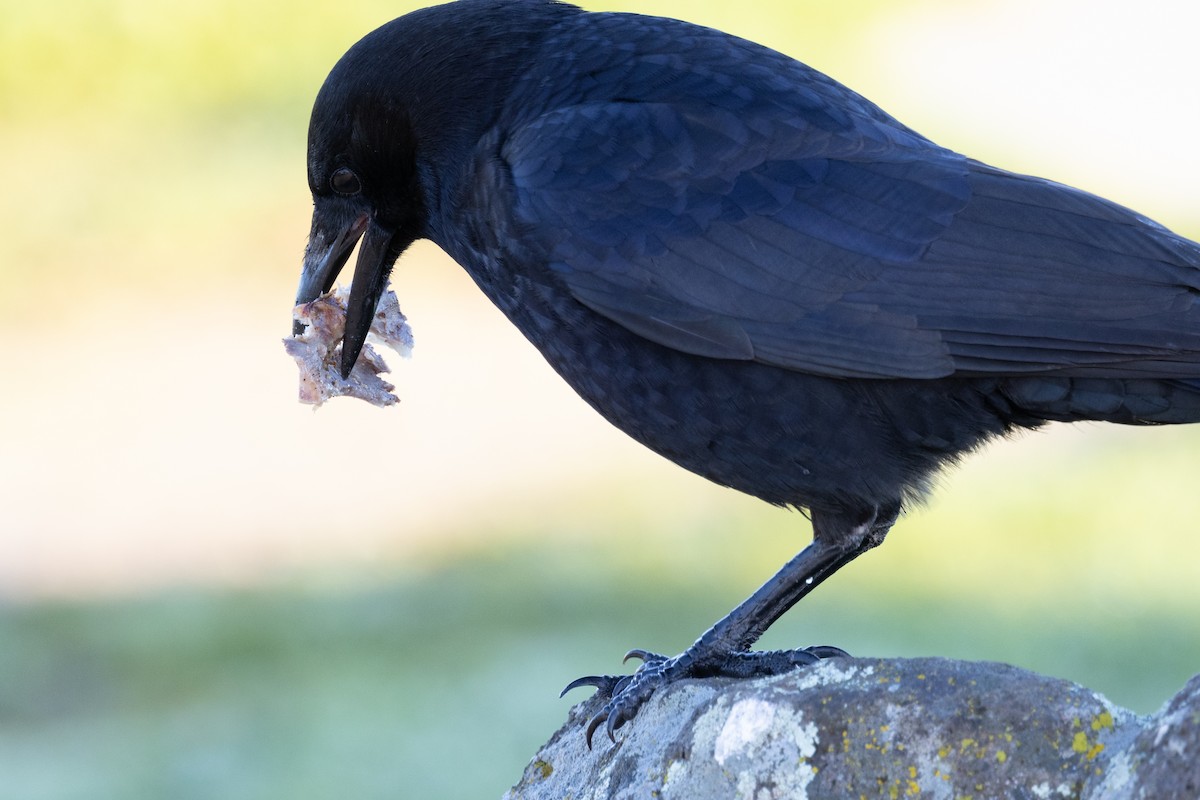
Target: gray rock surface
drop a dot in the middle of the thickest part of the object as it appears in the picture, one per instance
(850, 728)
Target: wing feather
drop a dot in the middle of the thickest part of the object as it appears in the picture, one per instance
(780, 218)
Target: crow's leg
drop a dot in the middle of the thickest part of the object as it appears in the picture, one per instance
(724, 649)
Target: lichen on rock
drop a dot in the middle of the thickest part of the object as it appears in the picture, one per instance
(932, 728)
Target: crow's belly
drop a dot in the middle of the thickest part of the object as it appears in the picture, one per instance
(783, 436)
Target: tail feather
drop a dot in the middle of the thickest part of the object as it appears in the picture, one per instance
(1128, 401)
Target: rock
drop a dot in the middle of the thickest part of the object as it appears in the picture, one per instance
(850, 728)
(1164, 760)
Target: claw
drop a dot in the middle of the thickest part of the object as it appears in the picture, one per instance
(827, 651)
(596, 722)
(643, 655)
(614, 721)
(604, 683)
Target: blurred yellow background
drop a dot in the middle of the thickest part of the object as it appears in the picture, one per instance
(157, 475)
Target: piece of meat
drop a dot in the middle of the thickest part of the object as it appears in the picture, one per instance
(318, 350)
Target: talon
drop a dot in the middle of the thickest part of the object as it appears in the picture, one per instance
(614, 721)
(644, 656)
(604, 683)
(805, 657)
(596, 722)
(827, 651)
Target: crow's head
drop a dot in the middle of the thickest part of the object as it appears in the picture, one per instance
(396, 120)
(362, 172)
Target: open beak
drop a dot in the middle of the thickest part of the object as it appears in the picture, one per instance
(329, 246)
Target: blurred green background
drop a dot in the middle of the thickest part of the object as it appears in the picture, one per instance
(207, 590)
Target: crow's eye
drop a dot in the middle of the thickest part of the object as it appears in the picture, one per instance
(344, 181)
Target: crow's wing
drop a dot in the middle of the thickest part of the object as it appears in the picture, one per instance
(852, 250)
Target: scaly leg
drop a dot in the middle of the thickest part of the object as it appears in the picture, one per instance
(724, 649)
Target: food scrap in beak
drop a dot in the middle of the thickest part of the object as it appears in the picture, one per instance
(318, 349)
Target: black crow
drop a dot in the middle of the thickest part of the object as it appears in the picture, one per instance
(745, 266)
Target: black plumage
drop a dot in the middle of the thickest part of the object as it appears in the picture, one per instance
(744, 265)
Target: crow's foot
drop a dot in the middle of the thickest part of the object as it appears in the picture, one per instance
(627, 693)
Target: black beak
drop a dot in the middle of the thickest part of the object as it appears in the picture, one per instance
(329, 247)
